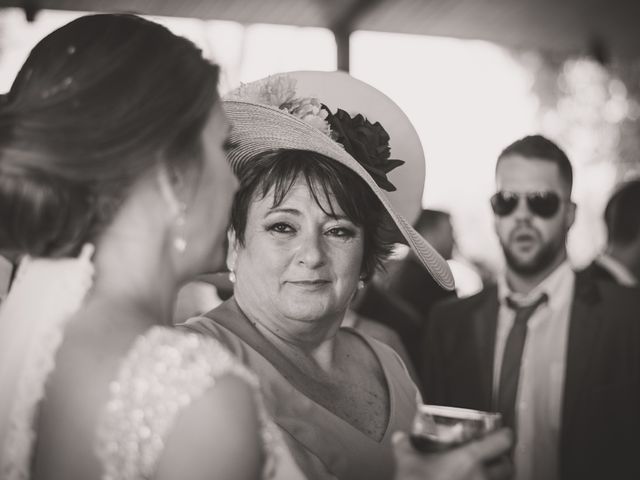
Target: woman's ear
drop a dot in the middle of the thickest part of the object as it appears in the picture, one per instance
(169, 182)
(232, 251)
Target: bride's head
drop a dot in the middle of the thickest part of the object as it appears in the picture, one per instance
(107, 111)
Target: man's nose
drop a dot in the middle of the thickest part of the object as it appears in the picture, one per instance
(522, 209)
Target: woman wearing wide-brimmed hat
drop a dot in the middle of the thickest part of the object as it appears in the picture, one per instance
(310, 224)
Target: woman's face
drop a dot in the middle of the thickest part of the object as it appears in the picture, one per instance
(297, 262)
(208, 212)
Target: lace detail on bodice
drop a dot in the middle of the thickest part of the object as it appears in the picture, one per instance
(163, 373)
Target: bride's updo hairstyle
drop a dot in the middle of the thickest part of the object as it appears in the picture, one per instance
(97, 104)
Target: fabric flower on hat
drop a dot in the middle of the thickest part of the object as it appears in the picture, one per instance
(309, 110)
(273, 91)
(279, 91)
(367, 142)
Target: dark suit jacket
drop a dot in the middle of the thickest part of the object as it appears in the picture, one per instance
(600, 273)
(600, 429)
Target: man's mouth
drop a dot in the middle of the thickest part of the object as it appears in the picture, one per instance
(524, 239)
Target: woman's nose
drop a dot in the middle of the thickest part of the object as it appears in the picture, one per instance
(311, 250)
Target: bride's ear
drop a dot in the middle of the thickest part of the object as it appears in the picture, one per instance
(170, 182)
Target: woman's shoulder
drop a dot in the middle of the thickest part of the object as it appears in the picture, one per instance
(164, 372)
(207, 326)
(388, 343)
(388, 358)
(377, 340)
(174, 351)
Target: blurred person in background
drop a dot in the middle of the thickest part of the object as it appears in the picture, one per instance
(408, 282)
(401, 296)
(620, 260)
(309, 227)
(377, 329)
(556, 353)
(7, 264)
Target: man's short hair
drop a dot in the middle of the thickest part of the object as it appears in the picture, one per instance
(622, 214)
(539, 147)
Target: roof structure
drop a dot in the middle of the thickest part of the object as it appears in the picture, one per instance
(558, 26)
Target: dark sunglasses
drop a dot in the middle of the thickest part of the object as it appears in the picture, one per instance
(542, 204)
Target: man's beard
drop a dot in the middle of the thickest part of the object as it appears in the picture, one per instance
(545, 257)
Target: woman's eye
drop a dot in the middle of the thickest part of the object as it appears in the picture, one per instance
(281, 228)
(341, 232)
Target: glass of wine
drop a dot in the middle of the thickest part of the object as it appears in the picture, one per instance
(436, 428)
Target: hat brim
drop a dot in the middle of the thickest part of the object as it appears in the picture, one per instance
(341, 90)
(258, 129)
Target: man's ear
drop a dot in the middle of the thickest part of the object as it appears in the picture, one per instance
(571, 214)
(232, 251)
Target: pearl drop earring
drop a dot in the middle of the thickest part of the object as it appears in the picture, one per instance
(179, 241)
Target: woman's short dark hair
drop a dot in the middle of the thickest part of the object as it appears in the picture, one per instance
(95, 106)
(278, 171)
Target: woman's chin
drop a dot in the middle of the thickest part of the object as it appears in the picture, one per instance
(309, 312)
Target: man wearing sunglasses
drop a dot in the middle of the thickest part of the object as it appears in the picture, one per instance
(555, 352)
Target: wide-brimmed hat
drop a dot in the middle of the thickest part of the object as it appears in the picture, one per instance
(289, 111)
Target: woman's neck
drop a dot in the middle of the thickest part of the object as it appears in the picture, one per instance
(301, 341)
(136, 276)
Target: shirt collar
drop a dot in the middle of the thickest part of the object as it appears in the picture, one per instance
(554, 285)
(617, 269)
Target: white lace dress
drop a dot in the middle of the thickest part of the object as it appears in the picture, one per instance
(163, 373)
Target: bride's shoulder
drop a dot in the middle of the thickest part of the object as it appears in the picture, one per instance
(177, 353)
(164, 372)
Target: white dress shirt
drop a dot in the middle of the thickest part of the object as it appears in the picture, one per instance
(6, 271)
(540, 390)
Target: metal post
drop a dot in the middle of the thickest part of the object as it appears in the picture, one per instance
(31, 9)
(342, 36)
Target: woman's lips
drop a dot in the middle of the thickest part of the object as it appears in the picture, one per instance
(309, 284)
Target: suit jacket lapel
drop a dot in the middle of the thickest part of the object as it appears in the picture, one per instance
(485, 321)
(583, 331)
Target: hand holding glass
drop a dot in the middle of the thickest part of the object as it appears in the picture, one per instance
(436, 428)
